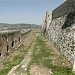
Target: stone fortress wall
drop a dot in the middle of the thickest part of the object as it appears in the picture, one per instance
(61, 30)
(46, 21)
(10, 39)
(65, 8)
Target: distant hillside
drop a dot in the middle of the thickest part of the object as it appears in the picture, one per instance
(19, 26)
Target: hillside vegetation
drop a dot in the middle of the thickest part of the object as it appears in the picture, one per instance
(18, 26)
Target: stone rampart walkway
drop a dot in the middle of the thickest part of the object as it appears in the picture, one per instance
(21, 69)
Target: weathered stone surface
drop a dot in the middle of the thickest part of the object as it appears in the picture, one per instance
(65, 8)
(10, 39)
(62, 38)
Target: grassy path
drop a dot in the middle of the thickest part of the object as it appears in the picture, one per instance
(47, 59)
(21, 69)
(18, 54)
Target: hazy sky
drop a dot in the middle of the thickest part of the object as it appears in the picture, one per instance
(26, 11)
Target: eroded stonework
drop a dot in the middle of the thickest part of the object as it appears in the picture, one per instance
(10, 39)
(63, 39)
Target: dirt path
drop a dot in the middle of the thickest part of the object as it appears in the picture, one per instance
(21, 69)
(39, 70)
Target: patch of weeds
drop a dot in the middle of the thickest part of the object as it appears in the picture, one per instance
(18, 59)
(21, 48)
(13, 49)
(6, 53)
(7, 66)
(62, 71)
(47, 63)
(36, 59)
(43, 51)
(4, 71)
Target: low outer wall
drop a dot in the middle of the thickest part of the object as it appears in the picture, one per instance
(63, 39)
(3, 46)
(8, 41)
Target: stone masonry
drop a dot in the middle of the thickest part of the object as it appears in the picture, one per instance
(10, 39)
(61, 30)
(46, 22)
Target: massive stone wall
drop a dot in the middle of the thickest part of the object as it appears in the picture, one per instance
(46, 22)
(65, 8)
(44, 25)
(61, 31)
(63, 39)
(48, 19)
(3, 47)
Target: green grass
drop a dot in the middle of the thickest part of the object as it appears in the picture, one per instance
(16, 59)
(21, 48)
(41, 57)
(42, 53)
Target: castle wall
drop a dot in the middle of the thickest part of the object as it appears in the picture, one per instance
(3, 47)
(48, 19)
(10, 39)
(61, 31)
(7, 42)
(17, 38)
(46, 22)
(63, 39)
(44, 25)
(65, 8)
